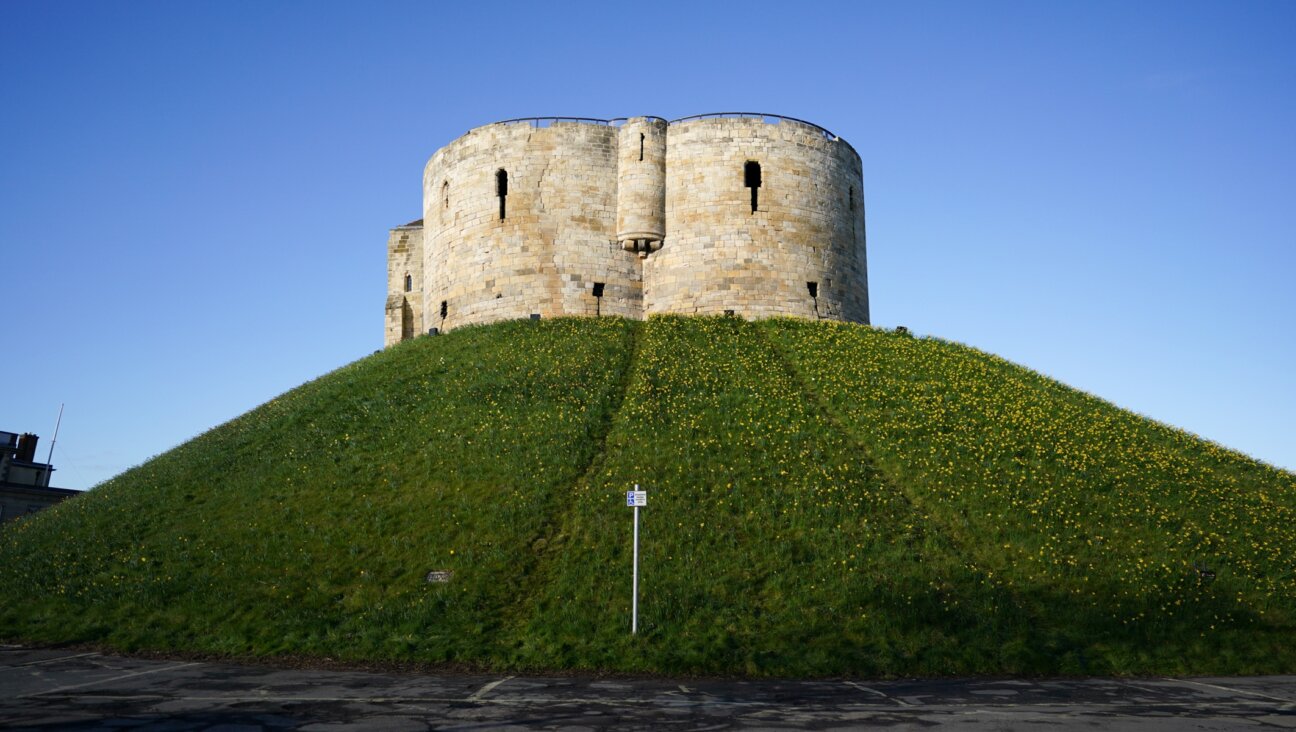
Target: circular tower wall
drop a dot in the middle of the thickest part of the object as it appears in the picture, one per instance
(794, 248)
(520, 219)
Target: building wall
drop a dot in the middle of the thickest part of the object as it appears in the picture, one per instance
(556, 239)
(808, 225)
(657, 213)
(404, 311)
(20, 500)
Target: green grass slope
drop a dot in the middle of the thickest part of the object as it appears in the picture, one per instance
(825, 499)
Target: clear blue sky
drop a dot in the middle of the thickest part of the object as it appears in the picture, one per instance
(194, 196)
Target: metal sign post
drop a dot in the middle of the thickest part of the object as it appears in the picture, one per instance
(635, 499)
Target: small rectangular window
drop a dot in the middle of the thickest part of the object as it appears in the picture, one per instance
(813, 287)
(598, 289)
(501, 189)
(752, 179)
(444, 309)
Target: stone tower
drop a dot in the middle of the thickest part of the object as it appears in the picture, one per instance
(751, 215)
(404, 282)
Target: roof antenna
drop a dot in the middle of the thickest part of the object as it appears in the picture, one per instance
(49, 468)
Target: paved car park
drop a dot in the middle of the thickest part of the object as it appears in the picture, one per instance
(61, 689)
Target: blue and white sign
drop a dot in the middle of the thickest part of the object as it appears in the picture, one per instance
(635, 499)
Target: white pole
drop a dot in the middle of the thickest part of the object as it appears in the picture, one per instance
(49, 461)
(634, 593)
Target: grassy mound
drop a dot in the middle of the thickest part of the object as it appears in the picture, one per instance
(824, 499)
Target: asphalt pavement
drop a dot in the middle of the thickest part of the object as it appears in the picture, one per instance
(61, 689)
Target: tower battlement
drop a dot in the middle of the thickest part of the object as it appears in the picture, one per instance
(753, 215)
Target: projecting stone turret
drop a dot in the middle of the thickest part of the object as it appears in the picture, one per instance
(641, 185)
(751, 215)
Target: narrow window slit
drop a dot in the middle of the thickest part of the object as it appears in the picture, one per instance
(641, 144)
(752, 179)
(444, 308)
(409, 283)
(501, 189)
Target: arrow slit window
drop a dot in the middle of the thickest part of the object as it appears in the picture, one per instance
(752, 179)
(501, 189)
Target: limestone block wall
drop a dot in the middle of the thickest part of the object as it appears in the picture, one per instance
(404, 310)
(633, 217)
(554, 238)
(807, 226)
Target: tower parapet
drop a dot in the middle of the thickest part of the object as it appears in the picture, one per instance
(752, 215)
